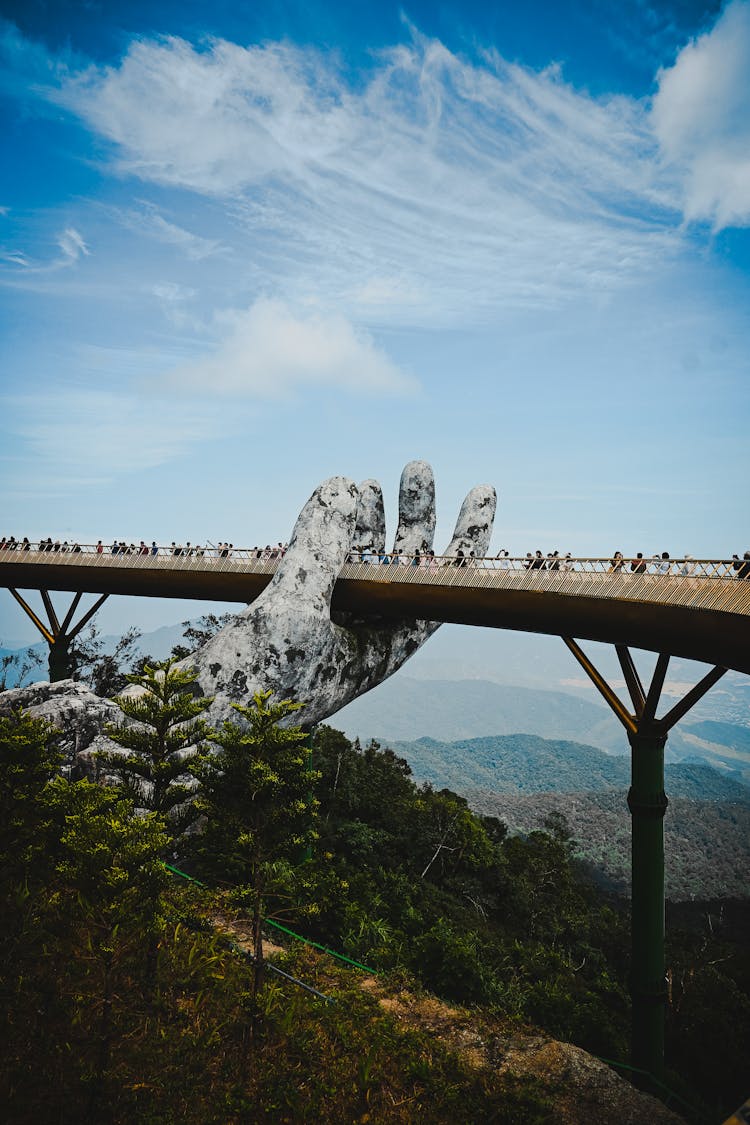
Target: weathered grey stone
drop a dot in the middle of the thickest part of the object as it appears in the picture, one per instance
(416, 509)
(370, 527)
(70, 707)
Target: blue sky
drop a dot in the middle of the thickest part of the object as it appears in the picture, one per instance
(243, 248)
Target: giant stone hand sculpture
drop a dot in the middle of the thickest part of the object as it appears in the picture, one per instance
(287, 640)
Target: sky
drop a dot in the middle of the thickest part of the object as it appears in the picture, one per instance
(247, 247)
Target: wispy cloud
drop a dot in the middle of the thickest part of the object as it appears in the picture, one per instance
(701, 115)
(172, 292)
(15, 257)
(147, 220)
(72, 245)
(468, 185)
(269, 350)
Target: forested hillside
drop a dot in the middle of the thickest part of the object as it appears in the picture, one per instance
(121, 1001)
(523, 763)
(523, 779)
(707, 843)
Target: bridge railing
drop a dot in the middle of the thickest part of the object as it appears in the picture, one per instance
(715, 584)
(699, 584)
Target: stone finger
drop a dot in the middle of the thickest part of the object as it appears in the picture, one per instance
(473, 529)
(319, 547)
(416, 509)
(370, 528)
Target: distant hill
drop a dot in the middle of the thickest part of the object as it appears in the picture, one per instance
(522, 778)
(523, 763)
(405, 709)
(707, 843)
(723, 734)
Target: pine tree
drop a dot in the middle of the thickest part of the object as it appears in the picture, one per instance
(162, 741)
(256, 793)
(111, 876)
(29, 759)
(103, 671)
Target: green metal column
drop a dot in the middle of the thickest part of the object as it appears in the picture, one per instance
(60, 665)
(647, 802)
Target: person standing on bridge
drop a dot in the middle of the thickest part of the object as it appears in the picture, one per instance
(742, 565)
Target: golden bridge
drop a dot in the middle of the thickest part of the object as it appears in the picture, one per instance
(693, 608)
(697, 609)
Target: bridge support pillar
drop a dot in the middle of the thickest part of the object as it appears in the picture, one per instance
(58, 636)
(647, 802)
(60, 664)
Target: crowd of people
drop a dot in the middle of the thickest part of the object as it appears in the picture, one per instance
(121, 547)
(658, 564)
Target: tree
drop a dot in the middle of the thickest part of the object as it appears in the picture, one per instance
(28, 761)
(103, 671)
(110, 878)
(256, 795)
(161, 740)
(196, 633)
(454, 839)
(17, 665)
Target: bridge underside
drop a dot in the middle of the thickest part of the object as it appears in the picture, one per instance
(712, 637)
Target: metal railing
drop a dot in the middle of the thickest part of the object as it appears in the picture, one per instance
(713, 584)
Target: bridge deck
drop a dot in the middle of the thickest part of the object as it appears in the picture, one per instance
(700, 609)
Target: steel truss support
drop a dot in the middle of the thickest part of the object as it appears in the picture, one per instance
(58, 636)
(647, 802)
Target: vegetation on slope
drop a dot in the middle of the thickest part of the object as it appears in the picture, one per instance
(522, 779)
(525, 763)
(121, 1002)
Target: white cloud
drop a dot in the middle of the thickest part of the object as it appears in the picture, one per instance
(15, 257)
(476, 185)
(269, 350)
(701, 115)
(72, 245)
(171, 292)
(176, 301)
(148, 221)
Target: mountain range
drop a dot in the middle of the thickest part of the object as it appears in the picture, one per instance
(404, 709)
(521, 779)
